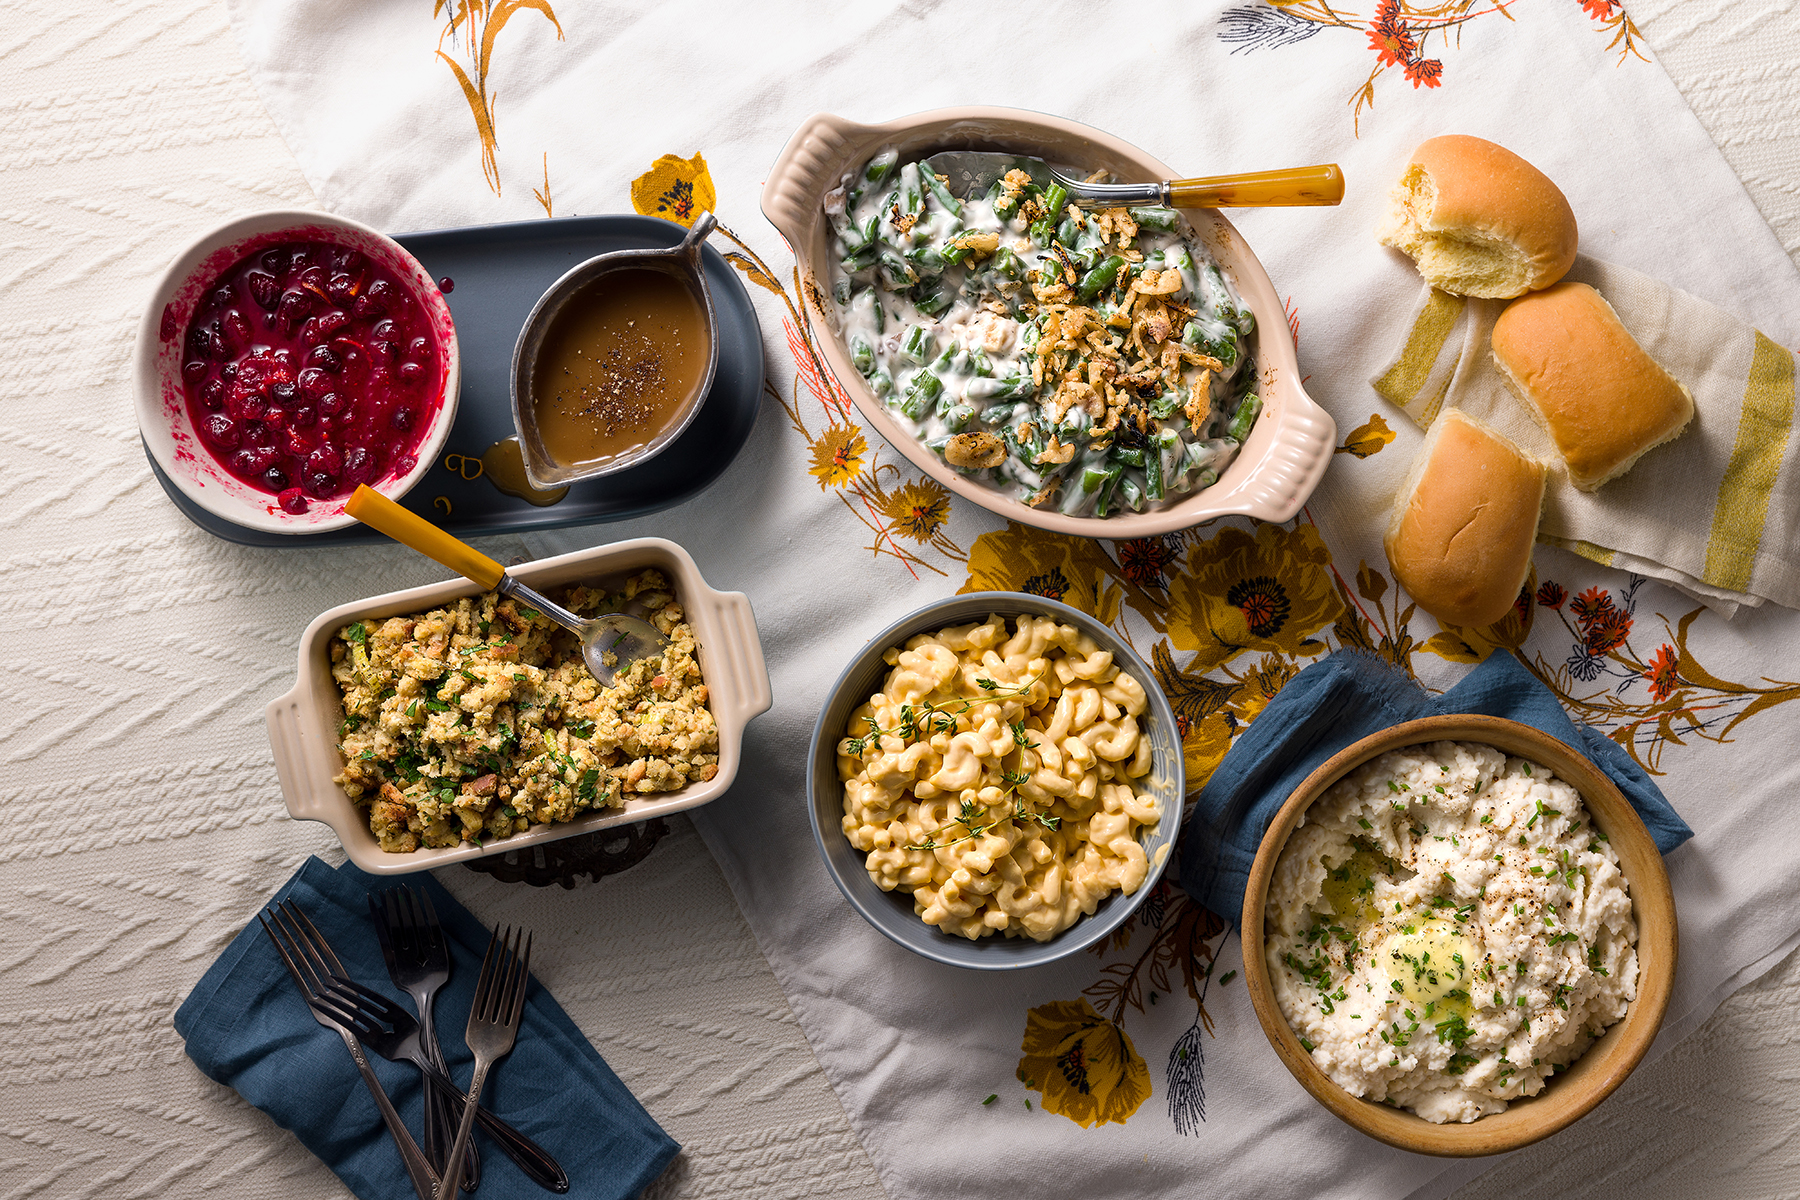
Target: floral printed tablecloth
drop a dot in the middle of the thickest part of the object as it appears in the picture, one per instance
(1140, 1068)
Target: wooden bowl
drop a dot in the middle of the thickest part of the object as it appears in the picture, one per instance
(1585, 1082)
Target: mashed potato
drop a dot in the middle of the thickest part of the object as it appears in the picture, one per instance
(479, 720)
(1446, 929)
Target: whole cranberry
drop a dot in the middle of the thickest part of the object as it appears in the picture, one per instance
(275, 419)
(401, 419)
(312, 278)
(282, 392)
(235, 330)
(193, 370)
(221, 298)
(348, 259)
(212, 395)
(418, 348)
(258, 436)
(296, 443)
(326, 460)
(263, 288)
(327, 358)
(274, 261)
(309, 334)
(306, 416)
(320, 484)
(292, 500)
(405, 463)
(360, 465)
(244, 403)
(299, 259)
(382, 292)
(284, 359)
(220, 430)
(385, 328)
(382, 348)
(314, 383)
(252, 461)
(341, 288)
(228, 372)
(411, 373)
(333, 405)
(276, 478)
(331, 322)
(291, 309)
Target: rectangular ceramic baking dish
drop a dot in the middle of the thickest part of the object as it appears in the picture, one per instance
(303, 723)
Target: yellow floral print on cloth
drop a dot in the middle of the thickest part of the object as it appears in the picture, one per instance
(904, 513)
(1398, 33)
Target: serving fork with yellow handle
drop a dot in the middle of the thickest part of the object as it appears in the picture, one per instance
(972, 172)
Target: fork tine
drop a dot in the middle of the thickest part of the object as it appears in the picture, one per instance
(309, 965)
(320, 946)
(432, 928)
(415, 928)
(325, 1003)
(516, 1009)
(383, 926)
(484, 982)
(286, 959)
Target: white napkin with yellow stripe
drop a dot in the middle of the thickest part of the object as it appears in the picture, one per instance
(1713, 512)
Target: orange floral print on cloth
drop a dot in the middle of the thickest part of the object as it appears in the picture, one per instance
(1397, 33)
(906, 514)
(472, 29)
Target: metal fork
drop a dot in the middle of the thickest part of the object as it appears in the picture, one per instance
(418, 961)
(493, 1027)
(289, 932)
(388, 1029)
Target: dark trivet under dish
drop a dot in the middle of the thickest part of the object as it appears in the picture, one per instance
(576, 860)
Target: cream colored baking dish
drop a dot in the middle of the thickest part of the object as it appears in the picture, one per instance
(1292, 442)
(303, 723)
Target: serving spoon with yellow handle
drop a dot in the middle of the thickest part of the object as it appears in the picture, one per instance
(972, 172)
(622, 638)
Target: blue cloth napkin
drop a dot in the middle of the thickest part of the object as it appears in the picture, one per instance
(1342, 699)
(247, 1026)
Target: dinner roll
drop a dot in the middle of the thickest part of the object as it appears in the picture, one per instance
(1479, 220)
(1460, 537)
(1599, 396)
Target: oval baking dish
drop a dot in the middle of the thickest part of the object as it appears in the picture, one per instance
(1290, 445)
(303, 723)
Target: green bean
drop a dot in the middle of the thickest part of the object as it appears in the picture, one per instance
(1130, 456)
(841, 291)
(1005, 205)
(930, 297)
(1054, 197)
(999, 414)
(1224, 347)
(1153, 472)
(918, 344)
(880, 313)
(1245, 417)
(881, 383)
(921, 391)
(1163, 220)
(946, 360)
(897, 271)
(862, 259)
(1132, 494)
(926, 260)
(1167, 405)
(1206, 479)
(958, 417)
(1069, 232)
(862, 356)
(879, 166)
(978, 363)
(1042, 233)
(1008, 263)
(938, 189)
(1101, 277)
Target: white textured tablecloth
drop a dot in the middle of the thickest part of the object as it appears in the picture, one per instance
(142, 817)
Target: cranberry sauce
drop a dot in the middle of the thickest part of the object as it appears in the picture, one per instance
(308, 370)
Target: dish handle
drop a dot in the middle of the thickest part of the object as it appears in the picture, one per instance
(806, 169)
(287, 741)
(735, 667)
(1304, 442)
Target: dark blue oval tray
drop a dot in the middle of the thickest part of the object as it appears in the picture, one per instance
(498, 272)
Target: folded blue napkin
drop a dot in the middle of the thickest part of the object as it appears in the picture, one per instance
(1342, 699)
(247, 1026)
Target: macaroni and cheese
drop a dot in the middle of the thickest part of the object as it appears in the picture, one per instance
(991, 778)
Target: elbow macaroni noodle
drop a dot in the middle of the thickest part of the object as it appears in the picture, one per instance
(991, 778)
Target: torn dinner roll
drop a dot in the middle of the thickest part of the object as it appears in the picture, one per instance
(1479, 220)
(1459, 540)
(1602, 399)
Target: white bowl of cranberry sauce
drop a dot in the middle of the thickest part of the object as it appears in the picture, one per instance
(287, 357)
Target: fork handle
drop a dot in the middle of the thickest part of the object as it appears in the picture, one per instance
(1323, 184)
(532, 1158)
(464, 1129)
(418, 1169)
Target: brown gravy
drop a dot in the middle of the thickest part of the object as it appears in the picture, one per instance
(617, 365)
(504, 466)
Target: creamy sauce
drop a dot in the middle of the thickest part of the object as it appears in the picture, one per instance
(618, 366)
(947, 338)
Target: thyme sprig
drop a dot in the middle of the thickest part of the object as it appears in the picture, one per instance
(937, 717)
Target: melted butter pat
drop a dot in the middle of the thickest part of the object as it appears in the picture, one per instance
(1425, 963)
(1350, 886)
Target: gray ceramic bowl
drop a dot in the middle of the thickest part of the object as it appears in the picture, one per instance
(892, 912)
